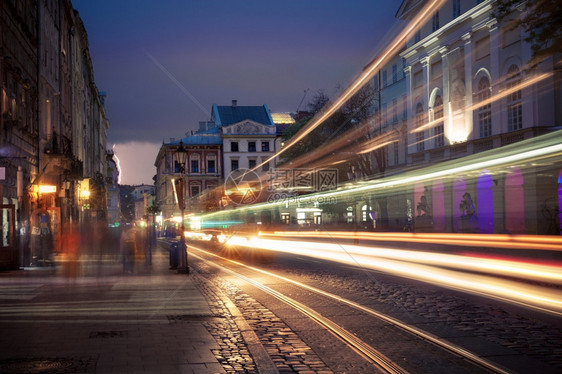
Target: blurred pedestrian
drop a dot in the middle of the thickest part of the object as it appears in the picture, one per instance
(128, 247)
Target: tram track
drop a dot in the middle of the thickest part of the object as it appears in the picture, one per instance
(235, 268)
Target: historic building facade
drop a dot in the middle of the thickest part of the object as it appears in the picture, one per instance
(53, 130)
(459, 87)
(248, 134)
(201, 170)
(237, 138)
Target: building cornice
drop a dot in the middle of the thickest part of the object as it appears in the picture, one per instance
(438, 36)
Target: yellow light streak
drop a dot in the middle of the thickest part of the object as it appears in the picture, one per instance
(545, 242)
(507, 92)
(424, 14)
(427, 267)
(374, 147)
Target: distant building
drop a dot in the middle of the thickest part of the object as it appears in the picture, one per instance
(248, 136)
(236, 138)
(112, 187)
(142, 196)
(202, 170)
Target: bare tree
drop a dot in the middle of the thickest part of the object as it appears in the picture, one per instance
(541, 20)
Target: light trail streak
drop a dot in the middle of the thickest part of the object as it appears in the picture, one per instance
(427, 125)
(374, 147)
(553, 243)
(521, 269)
(429, 269)
(540, 148)
(507, 92)
(178, 84)
(420, 18)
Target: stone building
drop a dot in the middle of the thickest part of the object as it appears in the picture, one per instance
(53, 130)
(202, 170)
(236, 138)
(461, 86)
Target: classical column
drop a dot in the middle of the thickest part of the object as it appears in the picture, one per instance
(425, 65)
(446, 99)
(530, 93)
(468, 116)
(409, 93)
(496, 77)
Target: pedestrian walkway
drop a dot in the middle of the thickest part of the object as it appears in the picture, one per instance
(90, 317)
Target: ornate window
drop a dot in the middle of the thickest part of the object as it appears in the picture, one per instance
(514, 104)
(484, 111)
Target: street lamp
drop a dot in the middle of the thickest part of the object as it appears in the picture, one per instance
(181, 155)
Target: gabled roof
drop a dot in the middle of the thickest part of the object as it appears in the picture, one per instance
(228, 115)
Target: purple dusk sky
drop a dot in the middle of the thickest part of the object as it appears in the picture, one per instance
(164, 63)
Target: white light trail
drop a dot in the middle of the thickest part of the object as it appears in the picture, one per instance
(464, 273)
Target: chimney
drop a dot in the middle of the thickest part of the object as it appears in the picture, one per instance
(234, 103)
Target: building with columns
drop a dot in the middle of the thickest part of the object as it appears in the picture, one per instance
(461, 86)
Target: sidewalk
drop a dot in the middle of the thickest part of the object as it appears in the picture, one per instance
(146, 322)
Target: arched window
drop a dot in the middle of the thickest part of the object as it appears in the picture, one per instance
(485, 111)
(514, 105)
(420, 135)
(439, 137)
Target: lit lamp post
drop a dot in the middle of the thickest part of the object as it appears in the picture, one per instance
(181, 155)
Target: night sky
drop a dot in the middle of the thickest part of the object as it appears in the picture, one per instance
(164, 63)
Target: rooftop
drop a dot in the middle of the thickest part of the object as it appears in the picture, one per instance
(228, 115)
